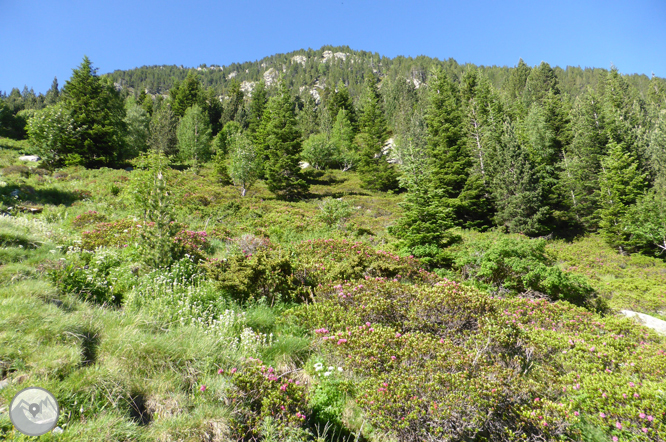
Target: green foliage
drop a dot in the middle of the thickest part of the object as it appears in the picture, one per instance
(244, 163)
(320, 151)
(98, 113)
(163, 126)
(187, 94)
(266, 393)
(282, 145)
(450, 362)
(334, 212)
(645, 222)
(375, 171)
(620, 184)
(266, 273)
(50, 131)
(517, 265)
(194, 136)
(138, 124)
(342, 138)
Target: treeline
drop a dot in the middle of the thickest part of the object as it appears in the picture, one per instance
(525, 157)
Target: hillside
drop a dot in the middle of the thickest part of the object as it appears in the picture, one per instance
(313, 69)
(428, 253)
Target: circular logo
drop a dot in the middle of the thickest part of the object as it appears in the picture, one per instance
(34, 411)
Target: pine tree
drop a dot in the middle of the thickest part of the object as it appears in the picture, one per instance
(621, 182)
(451, 163)
(98, 111)
(257, 106)
(53, 94)
(516, 189)
(517, 80)
(188, 94)
(233, 106)
(342, 136)
(540, 82)
(374, 169)
(581, 160)
(282, 145)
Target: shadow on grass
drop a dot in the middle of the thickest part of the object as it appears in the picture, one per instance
(138, 411)
(29, 195)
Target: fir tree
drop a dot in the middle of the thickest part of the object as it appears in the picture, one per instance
(188, 94)
(163, 131)
(98, 111)
(257, 106)
(282, 146)
(620, 184)
(374, 169)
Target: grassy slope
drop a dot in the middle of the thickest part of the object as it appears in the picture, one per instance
(121, 376)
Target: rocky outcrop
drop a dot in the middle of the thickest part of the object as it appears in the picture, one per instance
(247, 87)
(299, 59)
(271, 76)
(327, 55)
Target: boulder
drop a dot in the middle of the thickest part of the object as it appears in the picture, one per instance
(649, 321)
(33, 158)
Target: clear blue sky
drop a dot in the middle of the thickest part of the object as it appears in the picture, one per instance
(41, 39)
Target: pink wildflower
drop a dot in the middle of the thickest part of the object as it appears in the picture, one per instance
(641, 415)
(618, 425)
(602, 415)
(220, 371)
(202, 388)
(233, 370)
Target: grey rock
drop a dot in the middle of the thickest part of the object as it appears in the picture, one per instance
(57, 430)
(649, 321)
(33, 158)
(4, 384)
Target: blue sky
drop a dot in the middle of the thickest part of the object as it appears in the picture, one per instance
(41, 39)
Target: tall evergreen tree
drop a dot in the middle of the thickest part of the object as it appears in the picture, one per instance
(374, 169)
(540, 82)
(342, 136)
(517, 80)
(257, 106)
(282, 146)
(621, 183)
(53, 94)
(98, 111)
(188, 94)
(233, 106)
(163, 126)
(516, 189)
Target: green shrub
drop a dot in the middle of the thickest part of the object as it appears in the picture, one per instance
(521, 266)
(266, 274)
(260, 392)
(334, 212)
(89, 217)
(447, 362)
(328, 260)
(119, 233)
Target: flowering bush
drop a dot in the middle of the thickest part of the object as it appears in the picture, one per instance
(446, 362)
(117, 233)
(260, 392)
(89, 217)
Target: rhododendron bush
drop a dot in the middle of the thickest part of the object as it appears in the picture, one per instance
(443, 361)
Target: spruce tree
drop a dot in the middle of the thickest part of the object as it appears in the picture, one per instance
(374, 169)
(233, 106)
(188, 94)
(342, 136)
(621, 182)
(53, 94)
(163, 131)
(98, 112)
(282, 146)
(516, 189)
(257, 106)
